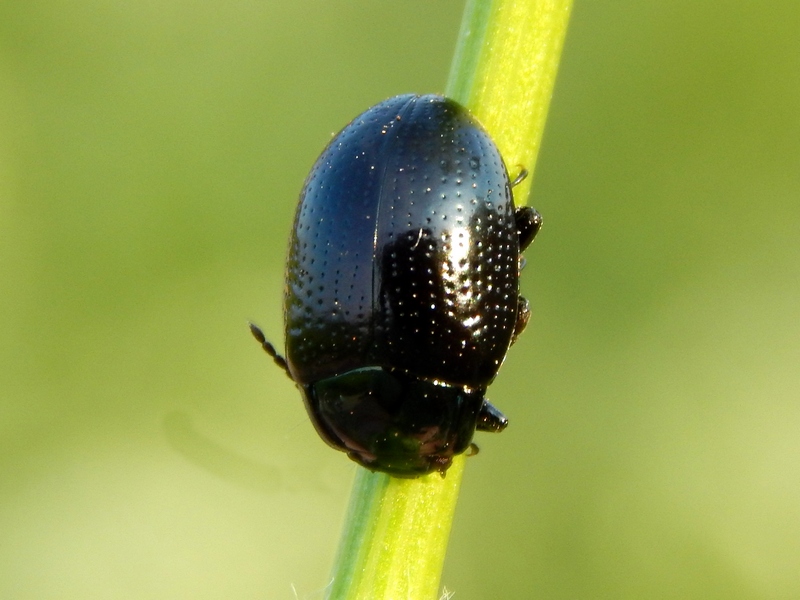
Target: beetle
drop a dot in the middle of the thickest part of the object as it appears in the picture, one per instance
(402, 285)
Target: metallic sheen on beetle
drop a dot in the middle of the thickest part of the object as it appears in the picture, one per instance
(402, 285)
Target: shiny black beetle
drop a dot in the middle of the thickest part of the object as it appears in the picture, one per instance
(402, 285)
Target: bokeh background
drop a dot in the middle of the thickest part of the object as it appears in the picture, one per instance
(150, 158)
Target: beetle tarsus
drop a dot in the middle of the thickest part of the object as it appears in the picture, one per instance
(269, 348)
(491, 419)
(523, 316)
(529, 222)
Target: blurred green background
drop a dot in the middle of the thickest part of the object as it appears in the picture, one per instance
(150, 158)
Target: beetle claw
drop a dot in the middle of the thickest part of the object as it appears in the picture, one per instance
(523, 174)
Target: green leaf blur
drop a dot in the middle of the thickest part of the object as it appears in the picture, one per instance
(150, 159)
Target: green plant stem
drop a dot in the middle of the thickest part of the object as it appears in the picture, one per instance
(396, 530)
(504, 71)
(395, 535)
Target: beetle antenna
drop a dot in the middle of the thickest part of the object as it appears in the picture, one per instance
(269, 348)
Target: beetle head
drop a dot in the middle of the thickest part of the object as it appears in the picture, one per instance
(390, 421)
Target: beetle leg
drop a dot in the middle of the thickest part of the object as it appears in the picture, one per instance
(528, 222)
(523, 174)
(523, 316)
(491, 419)
(269, 348)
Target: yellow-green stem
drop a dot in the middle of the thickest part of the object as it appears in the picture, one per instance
(504, 71)
(395, 534)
